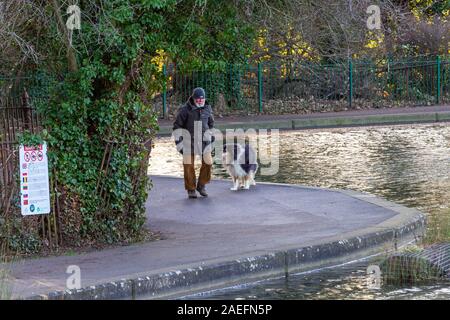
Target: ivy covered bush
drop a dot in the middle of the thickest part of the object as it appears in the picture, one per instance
(99, 128)
(99, 149)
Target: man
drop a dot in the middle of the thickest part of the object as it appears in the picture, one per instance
(195, 118)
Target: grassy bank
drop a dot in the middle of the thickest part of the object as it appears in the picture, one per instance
(438, 227)
(5, 288)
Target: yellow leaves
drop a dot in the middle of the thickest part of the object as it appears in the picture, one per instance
(290, 46)
(372, 44)
(159, 59)
(376, 39)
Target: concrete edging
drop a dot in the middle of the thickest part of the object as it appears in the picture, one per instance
(330, 122)
(408, 224)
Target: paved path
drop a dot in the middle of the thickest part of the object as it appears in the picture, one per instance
(226, 225)
(384, 116)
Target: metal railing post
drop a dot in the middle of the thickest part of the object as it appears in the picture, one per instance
(164, 95)
(438, 93)
(260, 88)
(350, 82)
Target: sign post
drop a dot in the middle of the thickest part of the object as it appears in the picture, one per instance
(34, 183)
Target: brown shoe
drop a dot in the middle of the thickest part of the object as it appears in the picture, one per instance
(192, 194)
(201, 190)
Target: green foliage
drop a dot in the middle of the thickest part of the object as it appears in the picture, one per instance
(5, 286)
(438, 227)
(82, 127)
(29, 139)
(26, 243)
(408, 269)
(430, 7)
(211, 34)
(98, 125)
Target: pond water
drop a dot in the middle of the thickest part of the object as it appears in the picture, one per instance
(408, 164)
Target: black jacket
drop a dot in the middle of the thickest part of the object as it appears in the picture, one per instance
(187, 115)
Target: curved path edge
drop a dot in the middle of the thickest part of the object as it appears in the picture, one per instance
(406, 226)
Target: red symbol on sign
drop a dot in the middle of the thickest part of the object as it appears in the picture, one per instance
(33, 156)
(40, 156)
(27, 157)
(32, 148)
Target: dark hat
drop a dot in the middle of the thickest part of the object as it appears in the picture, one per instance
(199, 93)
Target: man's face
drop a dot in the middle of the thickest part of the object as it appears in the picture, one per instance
(199, 102)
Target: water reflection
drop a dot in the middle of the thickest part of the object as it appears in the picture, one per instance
(347, 282)
(405, 164)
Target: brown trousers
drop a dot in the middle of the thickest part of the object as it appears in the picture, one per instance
(189, 170)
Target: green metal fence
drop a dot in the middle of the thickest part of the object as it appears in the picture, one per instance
(19, 97)
(308, 87)
(235, 85)
(408, 81)
(445, 80)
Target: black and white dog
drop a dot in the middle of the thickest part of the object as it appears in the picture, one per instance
(240, 162)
